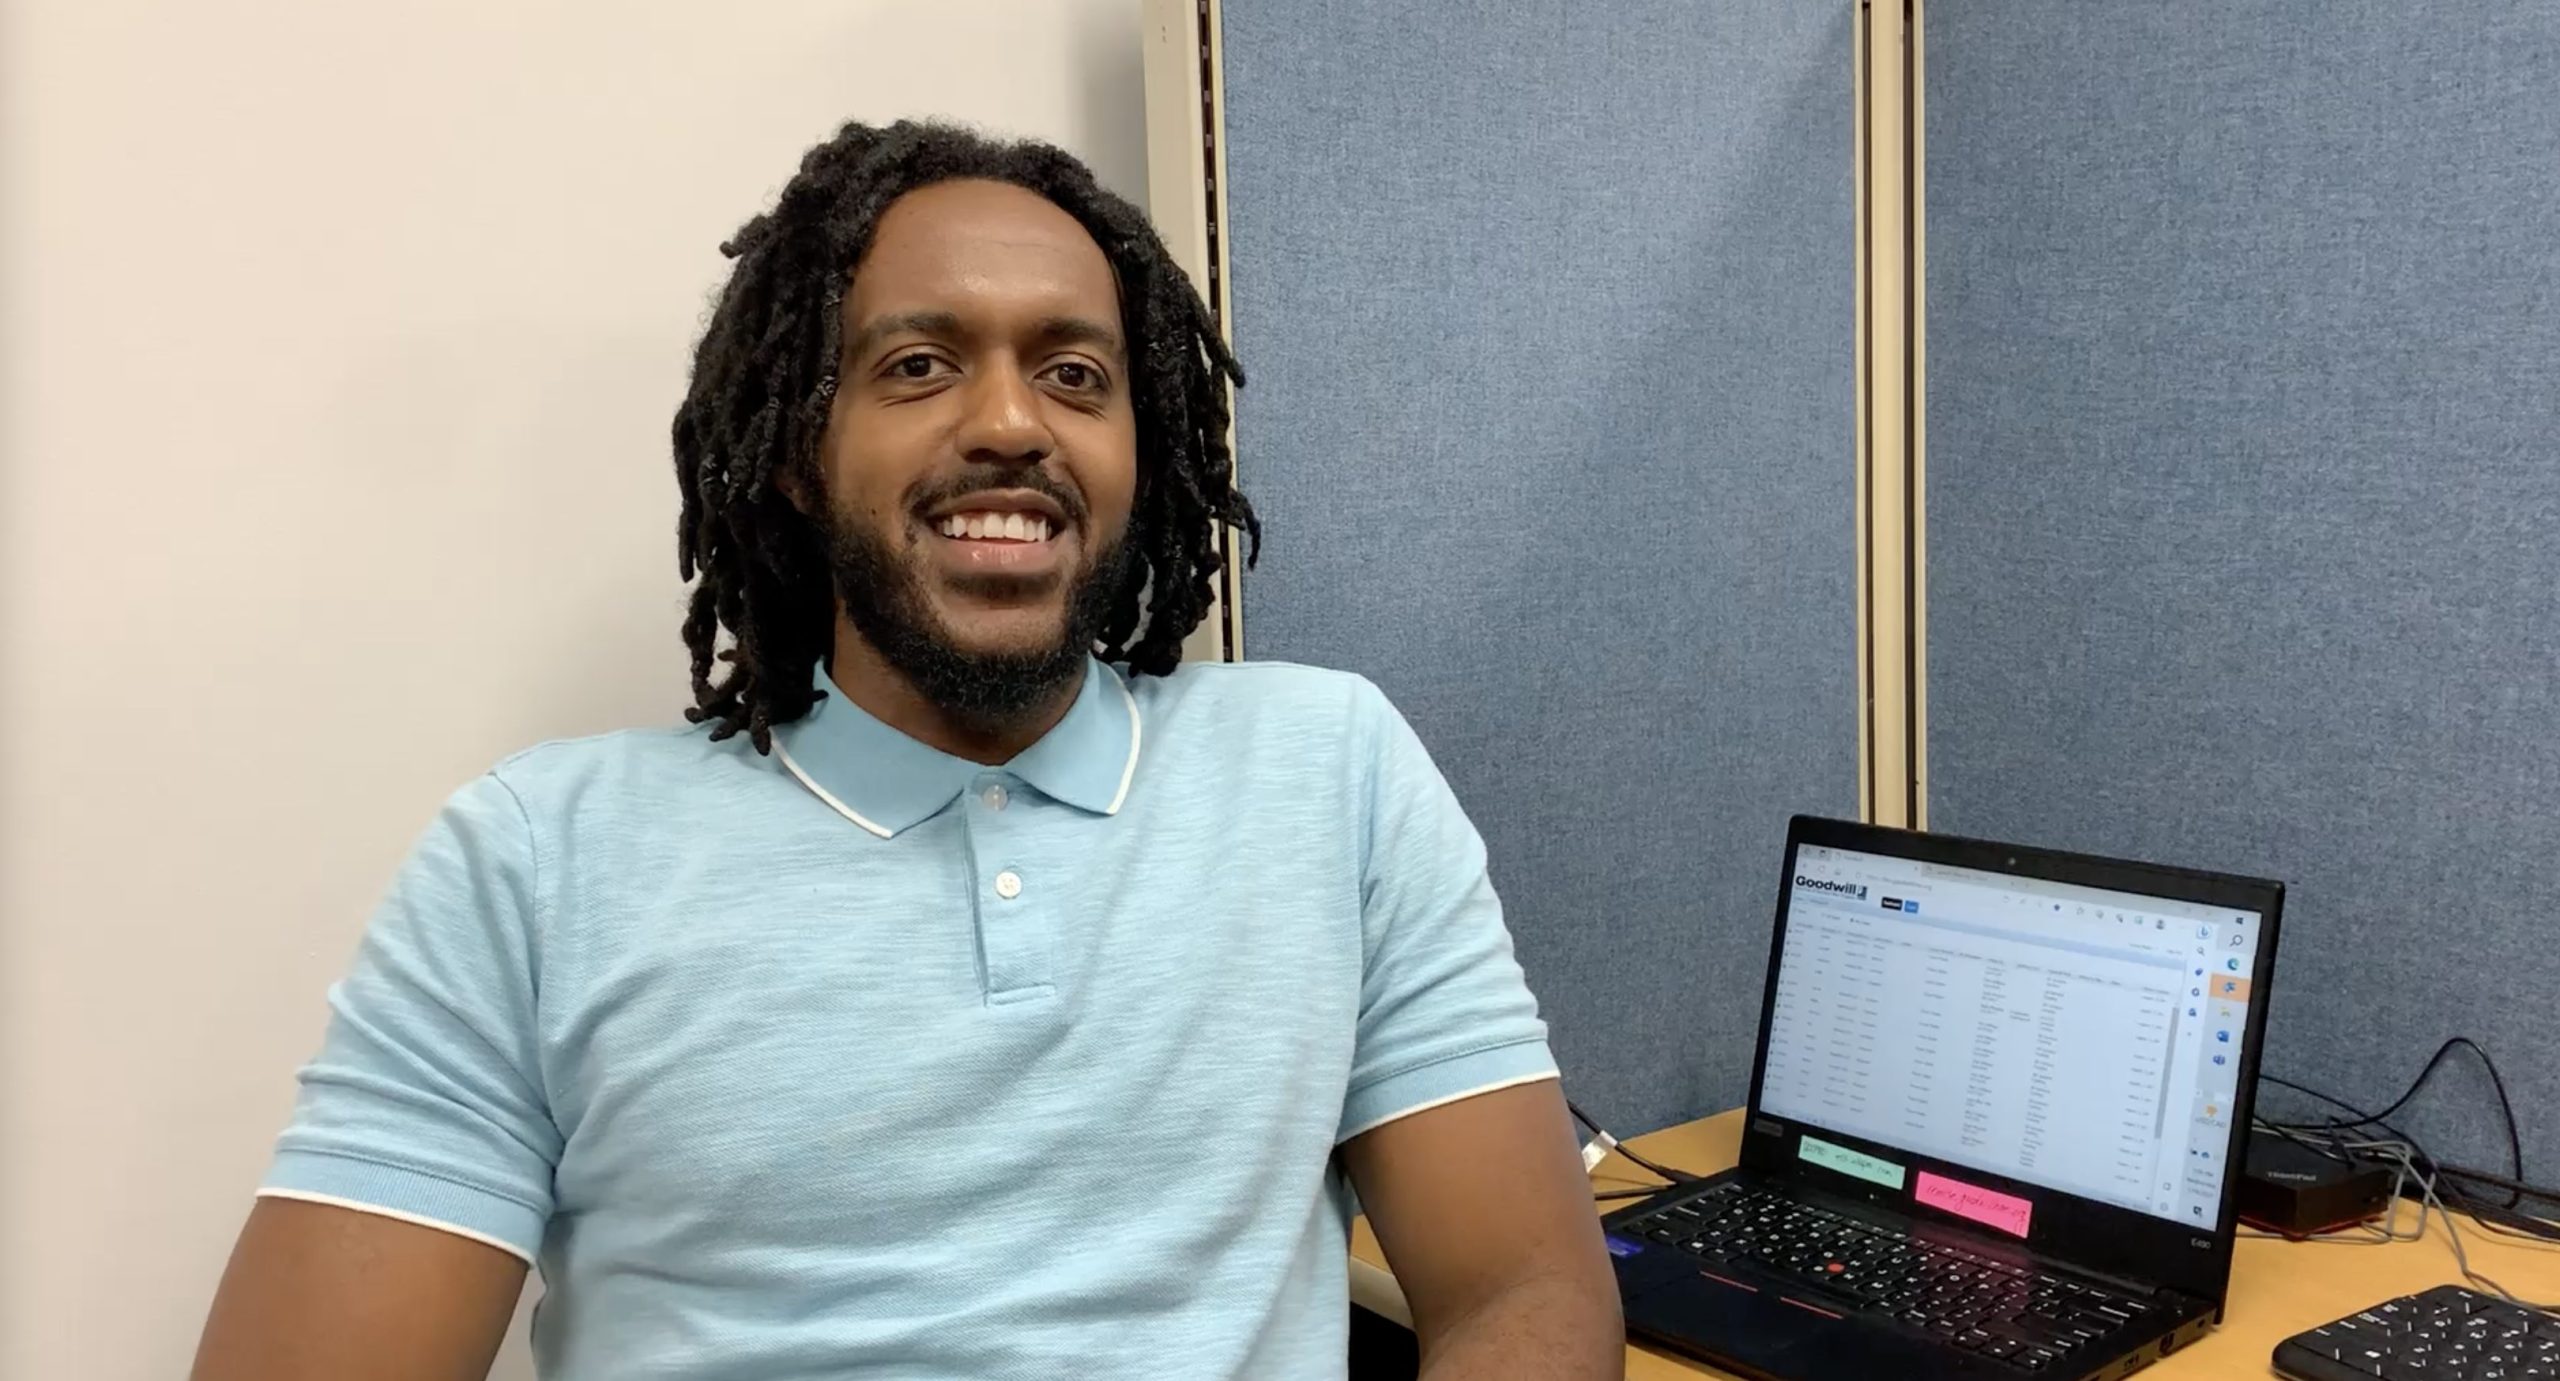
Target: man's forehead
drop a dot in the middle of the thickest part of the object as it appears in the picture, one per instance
(988, 244)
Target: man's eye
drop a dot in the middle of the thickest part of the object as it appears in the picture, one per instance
(913, 367)
(1079, 377)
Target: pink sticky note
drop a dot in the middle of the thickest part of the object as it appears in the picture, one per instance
(1990, 1207)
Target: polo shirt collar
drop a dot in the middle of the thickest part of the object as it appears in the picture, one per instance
(886, 782)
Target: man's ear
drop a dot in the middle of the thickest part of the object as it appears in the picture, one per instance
(793, 487)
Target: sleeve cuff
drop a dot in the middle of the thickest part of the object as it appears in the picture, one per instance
(409, 1196)
(1464, 1076)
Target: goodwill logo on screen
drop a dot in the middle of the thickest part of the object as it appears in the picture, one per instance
(1846, 889)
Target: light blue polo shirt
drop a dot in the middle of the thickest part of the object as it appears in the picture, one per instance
(860, 1060)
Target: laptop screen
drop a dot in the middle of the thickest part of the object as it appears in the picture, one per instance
(2085, 1040)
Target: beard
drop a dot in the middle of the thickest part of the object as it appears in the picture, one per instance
(884, 598)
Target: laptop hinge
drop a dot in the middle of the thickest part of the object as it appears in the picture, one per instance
(2126, 1284)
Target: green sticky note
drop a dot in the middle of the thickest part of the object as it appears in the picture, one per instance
(1848, 1162)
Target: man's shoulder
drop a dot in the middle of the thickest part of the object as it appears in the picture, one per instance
(667, 764)
(1290, 690)
(1279, 723)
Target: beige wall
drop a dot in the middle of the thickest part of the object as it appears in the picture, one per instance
(338, 344)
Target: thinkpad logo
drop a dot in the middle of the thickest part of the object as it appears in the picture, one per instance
(1846, 889)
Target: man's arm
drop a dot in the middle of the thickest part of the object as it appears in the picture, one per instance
(427, 1105)
(1485, 1215)
(319, 1293)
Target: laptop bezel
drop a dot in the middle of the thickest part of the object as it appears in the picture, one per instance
(2103, 1238)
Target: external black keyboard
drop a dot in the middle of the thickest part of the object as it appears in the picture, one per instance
(2028, 1318)
(2446, 1334)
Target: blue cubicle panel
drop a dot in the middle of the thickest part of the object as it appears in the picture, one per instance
(2244, 326)
(1546, 310)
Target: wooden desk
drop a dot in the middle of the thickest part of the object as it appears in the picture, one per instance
(2278, 1289)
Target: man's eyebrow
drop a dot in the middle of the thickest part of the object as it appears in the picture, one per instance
(1047, 331)
(1078, 330)
(880, 328)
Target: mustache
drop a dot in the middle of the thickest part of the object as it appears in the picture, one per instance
(993, 479)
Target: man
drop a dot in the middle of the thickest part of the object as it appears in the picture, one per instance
(947, 1002)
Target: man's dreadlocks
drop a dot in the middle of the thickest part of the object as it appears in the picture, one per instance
(764, 378)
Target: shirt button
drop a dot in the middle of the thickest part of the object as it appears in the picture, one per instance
(994, 797)
(1008, 884)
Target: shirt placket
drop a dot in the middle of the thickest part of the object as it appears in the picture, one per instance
(1007, 893)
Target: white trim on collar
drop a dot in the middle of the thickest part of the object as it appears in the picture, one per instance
(827, 796)
(1130, 771)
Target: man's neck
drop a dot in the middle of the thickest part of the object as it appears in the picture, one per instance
(880, 691)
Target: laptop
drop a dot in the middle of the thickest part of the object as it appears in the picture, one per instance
(1996, 1117)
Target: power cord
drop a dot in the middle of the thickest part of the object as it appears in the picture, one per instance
(1602, 1143)
(2479, 1205)
(2358, 1234)
(2432, 1179)
(2406, 1160)
(2506, 1108)
(2504, 1220)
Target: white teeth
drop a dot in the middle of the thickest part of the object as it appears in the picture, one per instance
(1012, 527)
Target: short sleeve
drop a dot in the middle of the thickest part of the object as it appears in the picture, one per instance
(1444, 1010)
(426, 1101)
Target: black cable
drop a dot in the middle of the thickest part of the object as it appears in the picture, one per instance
(2506, 1107)
(2405, 1094)
(2497, 1219)
(2417, 1152)
(2519, 1187)
(2433, 1166)
(2515, 1142)
(2363, 1118)
(2437, 1189)
(1621, 1148)
(2504, 1220)
(1666, 1172)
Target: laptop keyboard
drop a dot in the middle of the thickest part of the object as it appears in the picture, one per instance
(2027, 1318)
(2446, 1334)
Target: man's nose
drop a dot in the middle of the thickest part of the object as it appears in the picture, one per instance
(1003, 425)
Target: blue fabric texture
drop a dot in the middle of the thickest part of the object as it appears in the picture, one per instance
(865, 1060)
(2243, 322)
(1548, 315)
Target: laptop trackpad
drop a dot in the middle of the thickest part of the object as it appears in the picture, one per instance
(1748, 1327)
(1759, 1331)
